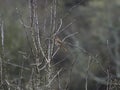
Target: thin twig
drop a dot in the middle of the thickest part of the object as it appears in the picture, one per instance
(54, 77)
(58, 27)
(70, 35)
(86, 79)
(2, 36)
(1, 58)
(15, 65)
(56, 52)
(67, 26)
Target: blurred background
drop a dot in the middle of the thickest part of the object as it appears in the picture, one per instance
(95, 48)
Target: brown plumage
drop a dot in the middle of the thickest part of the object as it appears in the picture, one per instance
(60, 43)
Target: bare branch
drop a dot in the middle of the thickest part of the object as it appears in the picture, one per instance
(67, 26)
(70, 35)
(15, 65)
(2, 35)
(54, 77)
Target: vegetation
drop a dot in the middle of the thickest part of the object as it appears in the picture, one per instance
(59, 45)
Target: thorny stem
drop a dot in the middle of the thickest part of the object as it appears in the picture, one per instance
(37, 40)
(1, 62)
(35, 29)
(1, 70)
(2, 36)
(86, 80)
(51, 41)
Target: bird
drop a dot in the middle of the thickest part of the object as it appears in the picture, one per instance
(59, 43)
